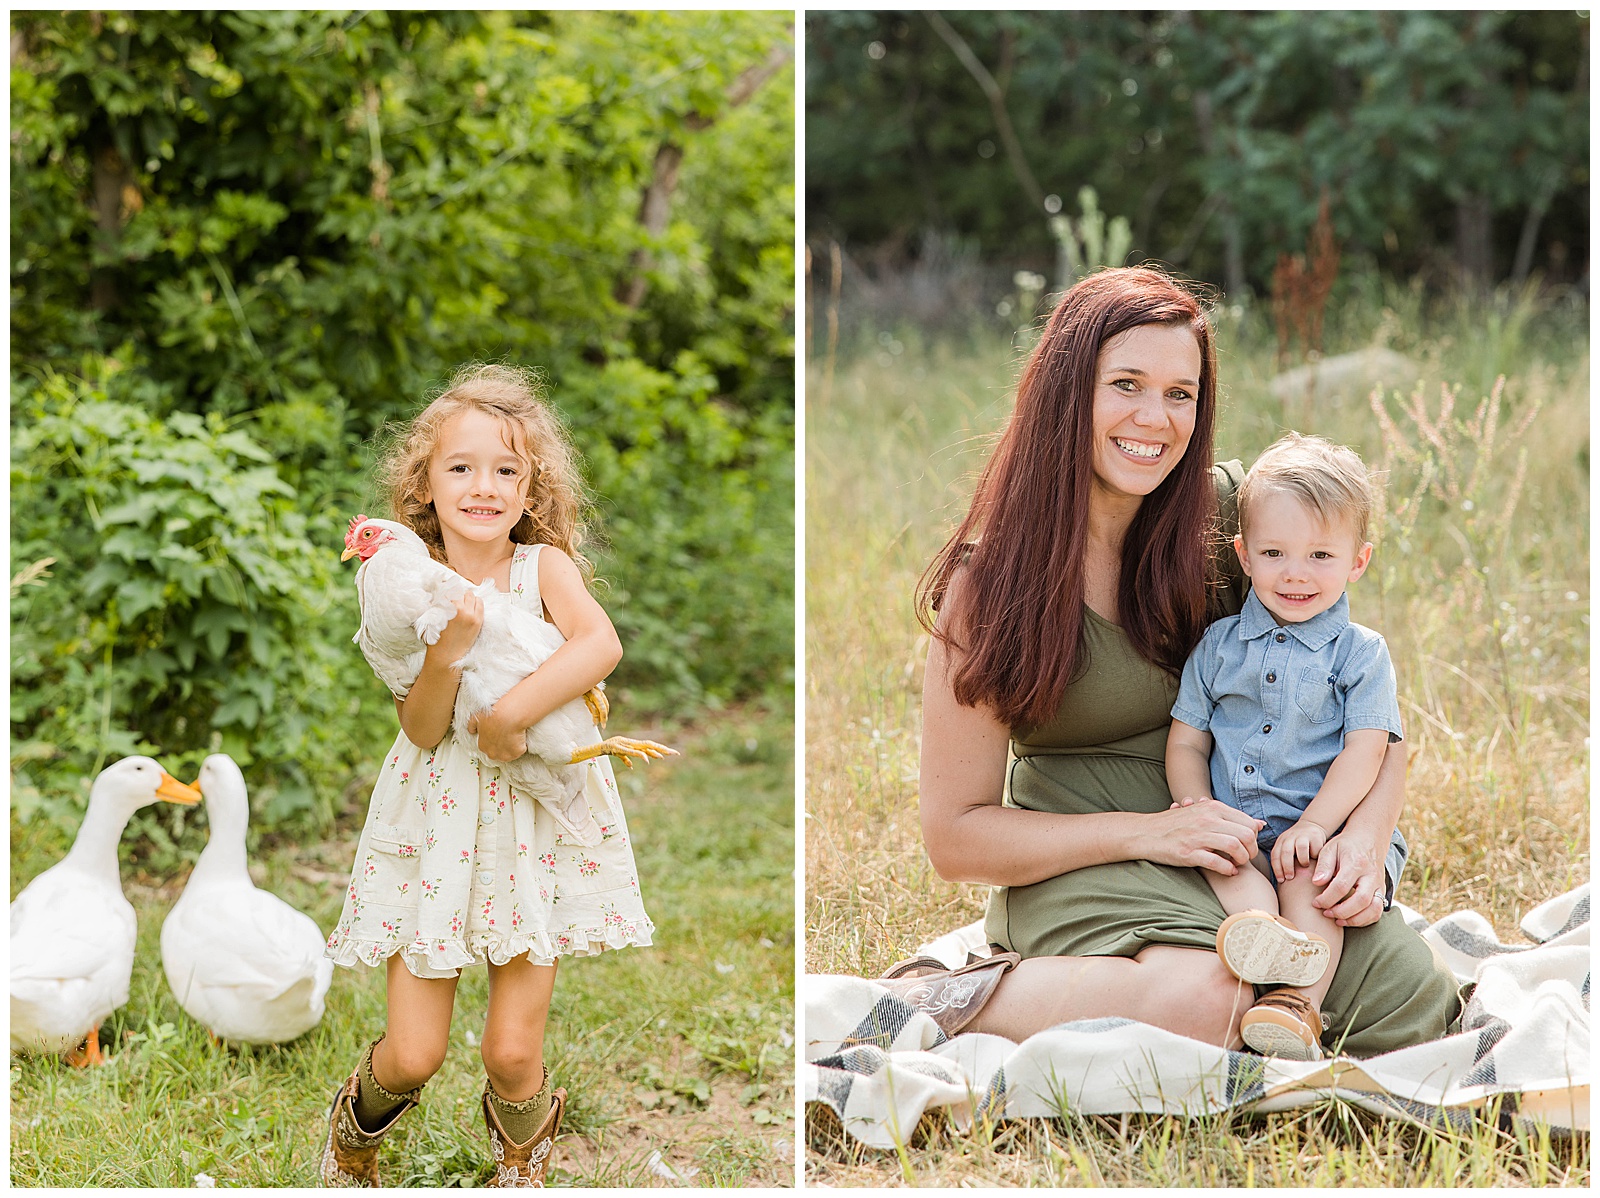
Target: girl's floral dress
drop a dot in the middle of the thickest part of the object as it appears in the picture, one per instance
(454, 867)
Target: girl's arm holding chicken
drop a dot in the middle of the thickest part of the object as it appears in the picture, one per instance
(426, 710)
(592, 651)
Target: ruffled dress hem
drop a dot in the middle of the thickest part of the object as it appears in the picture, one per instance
(446, 958)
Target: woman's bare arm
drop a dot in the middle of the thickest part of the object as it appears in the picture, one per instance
(1351, 863)
(971, 837)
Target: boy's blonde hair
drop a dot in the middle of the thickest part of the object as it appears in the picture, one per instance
(553, 513)
(1330, 480)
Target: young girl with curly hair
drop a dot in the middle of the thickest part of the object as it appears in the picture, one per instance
(454, 867)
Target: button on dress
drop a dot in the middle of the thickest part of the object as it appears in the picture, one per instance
(454, 867)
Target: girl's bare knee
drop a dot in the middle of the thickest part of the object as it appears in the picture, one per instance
(408, 1062)
(511, 1057)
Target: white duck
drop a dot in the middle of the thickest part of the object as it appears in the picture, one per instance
(72, 931)
(407, 598)
(244, 963)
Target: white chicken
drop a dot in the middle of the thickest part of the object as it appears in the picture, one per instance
(72, 931)
(407, 598)
(242, 962)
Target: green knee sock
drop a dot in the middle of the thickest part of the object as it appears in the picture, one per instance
(522, 1119)
(373, 1104)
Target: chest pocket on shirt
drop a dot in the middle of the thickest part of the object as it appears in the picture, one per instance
(1315, 695)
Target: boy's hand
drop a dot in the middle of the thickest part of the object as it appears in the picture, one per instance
(1298, 846)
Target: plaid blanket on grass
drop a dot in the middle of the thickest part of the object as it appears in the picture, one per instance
(880, 1065)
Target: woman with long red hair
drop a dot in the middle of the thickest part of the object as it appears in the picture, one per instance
(1094, 554)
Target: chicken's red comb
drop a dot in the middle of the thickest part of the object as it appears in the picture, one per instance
(354, 521)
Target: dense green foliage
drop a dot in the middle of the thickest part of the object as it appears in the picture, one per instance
(1441, 137)
(190, 601)
(245, 245)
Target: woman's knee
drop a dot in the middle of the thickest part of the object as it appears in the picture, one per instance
(1194, 995)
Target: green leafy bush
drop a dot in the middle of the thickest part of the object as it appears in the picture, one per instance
(187, 610)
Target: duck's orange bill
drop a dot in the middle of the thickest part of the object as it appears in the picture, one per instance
(174, 791)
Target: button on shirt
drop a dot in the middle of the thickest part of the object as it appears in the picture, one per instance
(1278, 700)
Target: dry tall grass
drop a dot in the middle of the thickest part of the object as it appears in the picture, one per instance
(1480, 585)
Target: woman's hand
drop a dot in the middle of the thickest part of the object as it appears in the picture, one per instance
(462, 632)
(1355, 882)
(1204, 834)
(498, 738)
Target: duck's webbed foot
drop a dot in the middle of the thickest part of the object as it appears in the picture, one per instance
(88, 1053)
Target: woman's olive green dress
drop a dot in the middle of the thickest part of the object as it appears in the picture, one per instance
(1106, 751)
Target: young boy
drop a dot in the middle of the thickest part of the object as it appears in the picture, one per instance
(1285, 712)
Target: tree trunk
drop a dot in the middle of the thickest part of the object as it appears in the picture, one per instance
(1474, 242)
(1526, 244)
(997, 108)
(111, 176)
(654, 210)
(1233, 281)
(655, 205)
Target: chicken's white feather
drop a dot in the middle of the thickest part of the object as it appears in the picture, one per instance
(407, 598)
(512, 644)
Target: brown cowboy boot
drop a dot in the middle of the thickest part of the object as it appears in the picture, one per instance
(1284, 1023)
(350, 1157)
(523, 1164)
(953, 997)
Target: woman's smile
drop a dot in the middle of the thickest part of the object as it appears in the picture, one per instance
(1145, 451)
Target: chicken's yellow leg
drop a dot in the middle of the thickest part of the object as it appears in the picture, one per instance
(599, 706)
(625, 748)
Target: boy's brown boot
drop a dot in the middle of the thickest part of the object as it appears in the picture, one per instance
(1284, 1023)
(1269, 950)
(523, 1164)
(350, 1156)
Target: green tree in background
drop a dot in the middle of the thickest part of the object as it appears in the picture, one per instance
(245, 244)
(1453, 143)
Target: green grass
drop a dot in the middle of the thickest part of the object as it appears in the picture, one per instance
(1479, 582)
(1328, 1144)
(685, 1048)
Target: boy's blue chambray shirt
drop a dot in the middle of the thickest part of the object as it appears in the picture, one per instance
(1278, 700)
